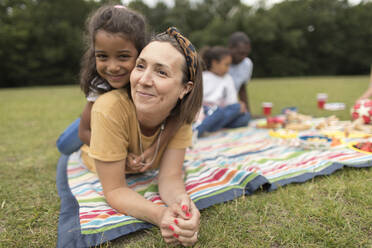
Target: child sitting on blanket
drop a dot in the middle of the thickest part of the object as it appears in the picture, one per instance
(221, 108)
(116, 36)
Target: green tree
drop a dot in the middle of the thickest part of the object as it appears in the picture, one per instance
(42, 41)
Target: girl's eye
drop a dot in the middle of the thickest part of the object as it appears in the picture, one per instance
(124, 56)
(101, 56)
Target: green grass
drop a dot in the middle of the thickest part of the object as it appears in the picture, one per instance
(328, 211)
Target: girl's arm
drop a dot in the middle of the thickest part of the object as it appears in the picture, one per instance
(84, 127)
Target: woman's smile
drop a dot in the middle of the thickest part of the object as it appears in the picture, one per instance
(145, 94)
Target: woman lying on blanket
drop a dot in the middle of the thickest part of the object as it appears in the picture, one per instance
(165, 83)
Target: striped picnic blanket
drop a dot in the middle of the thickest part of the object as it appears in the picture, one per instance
(218, 168)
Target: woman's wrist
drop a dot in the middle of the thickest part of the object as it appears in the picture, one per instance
(159, 215)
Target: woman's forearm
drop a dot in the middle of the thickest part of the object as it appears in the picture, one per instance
(122, 198)
(129, 202)
(171, 184)
(171, 188)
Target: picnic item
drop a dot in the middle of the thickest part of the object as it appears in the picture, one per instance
(221, 167)
(362, 110)
(293, 116)
(332, 123)
(334, 106)
(283, 133)
(269, 123)
(321, 99)
(266, 108)
(286, 109)
(298, 126)
(318, 142)
(365, 147)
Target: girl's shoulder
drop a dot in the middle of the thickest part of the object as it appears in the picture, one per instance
(114, 100)
(97, 87)
(208, 75)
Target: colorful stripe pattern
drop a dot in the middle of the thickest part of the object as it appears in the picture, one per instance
(219, 168)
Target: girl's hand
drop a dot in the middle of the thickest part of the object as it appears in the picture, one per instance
(133, 163)
(146, 158)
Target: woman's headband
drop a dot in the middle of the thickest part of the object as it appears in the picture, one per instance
(188, 50)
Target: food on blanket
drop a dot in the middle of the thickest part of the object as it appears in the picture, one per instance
(336, 142)
(364, 146)
(362, 110)
(311, 142)
(316, 139)
(293, 116)
(328, 122)
(283, 133)
(358, 126)
(297, 121)
(269, 123)
(364, 128)
(297, 126)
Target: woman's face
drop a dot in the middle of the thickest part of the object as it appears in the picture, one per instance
(156, 80)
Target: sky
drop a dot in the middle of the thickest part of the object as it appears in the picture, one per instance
(248, 2)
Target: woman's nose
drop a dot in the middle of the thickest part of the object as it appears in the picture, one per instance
(146, 78)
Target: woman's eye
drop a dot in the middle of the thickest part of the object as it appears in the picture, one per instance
(163, 73)
(140, 66)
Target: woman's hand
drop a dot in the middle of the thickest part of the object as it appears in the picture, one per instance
(167, 225)
(176, 229)
(187, 229)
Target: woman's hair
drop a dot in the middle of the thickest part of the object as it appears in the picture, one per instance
(186, 109)
(213, 53)
(114, 19)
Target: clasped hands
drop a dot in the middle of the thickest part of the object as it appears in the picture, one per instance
(180, 222)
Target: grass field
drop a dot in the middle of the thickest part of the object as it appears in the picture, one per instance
(328, 211)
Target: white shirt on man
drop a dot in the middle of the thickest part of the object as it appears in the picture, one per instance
(241, 73)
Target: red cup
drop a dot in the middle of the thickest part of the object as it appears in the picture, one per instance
(266, 108)
(322, 99)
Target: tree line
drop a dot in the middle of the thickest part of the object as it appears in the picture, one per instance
(42, 40)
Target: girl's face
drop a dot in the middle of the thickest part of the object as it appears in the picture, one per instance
(115, 58)
(156, 80)
(221, 67)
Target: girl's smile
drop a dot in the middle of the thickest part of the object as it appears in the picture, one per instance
(115, 58)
